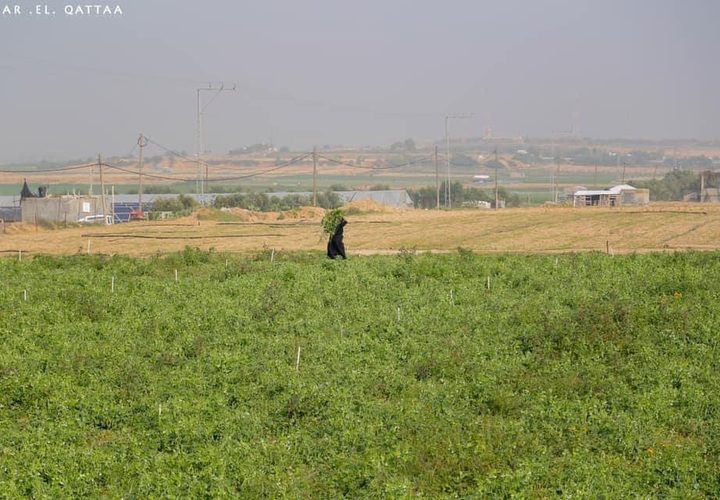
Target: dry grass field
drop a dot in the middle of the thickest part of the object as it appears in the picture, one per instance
(660, 227)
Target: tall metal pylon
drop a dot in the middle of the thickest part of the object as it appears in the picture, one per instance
(200, 185)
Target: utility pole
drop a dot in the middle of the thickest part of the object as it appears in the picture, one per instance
(314, 155)
(623, 175)
(447, 159)
(596, 174)
(556, 185)
(448, 201)
(199, 185)
(497, 164)
(437, 181)
(142, 142)
(102, 191)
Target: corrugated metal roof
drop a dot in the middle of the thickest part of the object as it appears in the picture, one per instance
(613, 190)
(593, 192)
(622, 187)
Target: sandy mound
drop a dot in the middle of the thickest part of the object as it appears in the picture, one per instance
(244, 215)
(368, 207)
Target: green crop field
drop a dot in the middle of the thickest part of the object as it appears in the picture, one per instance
(580, 375)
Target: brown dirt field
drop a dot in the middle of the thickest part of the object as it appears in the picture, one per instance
(660, 227)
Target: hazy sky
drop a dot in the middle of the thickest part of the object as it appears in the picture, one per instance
(357, 73)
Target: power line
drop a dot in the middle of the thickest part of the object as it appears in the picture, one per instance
(57, 169)
(202, 162)
(215, 179)
(169, 150)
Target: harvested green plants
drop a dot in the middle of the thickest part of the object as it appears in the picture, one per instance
(331, 220)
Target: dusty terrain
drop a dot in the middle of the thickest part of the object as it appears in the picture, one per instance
(660, 227)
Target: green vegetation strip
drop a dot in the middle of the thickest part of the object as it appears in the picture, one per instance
(209, 375)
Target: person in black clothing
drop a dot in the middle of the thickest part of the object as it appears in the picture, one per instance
(335, 245)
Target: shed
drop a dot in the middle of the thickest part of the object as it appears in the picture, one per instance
(616, 196)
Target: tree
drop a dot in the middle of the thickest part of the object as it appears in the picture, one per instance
(672, 187)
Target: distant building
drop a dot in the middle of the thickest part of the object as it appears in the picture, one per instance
(709, 187)
(617, 196)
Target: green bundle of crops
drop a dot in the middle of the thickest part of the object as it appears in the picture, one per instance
(331, 220)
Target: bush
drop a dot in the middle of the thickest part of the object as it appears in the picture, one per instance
(182, 203)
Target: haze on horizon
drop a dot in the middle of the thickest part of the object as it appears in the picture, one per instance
(365, 73)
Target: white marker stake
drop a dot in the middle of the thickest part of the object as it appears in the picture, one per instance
(452, 297)
(556, 261)
(25, 295)
(176, 275)
(488, 283)
(20, 255)
(297, 361)
(398, 314)
(112, 285)
(272, 256)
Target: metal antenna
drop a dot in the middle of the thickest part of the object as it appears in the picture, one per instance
(199, 186)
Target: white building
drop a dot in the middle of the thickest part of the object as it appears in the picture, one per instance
(616, 196)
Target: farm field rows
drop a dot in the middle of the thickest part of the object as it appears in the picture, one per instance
(659, 227)
(384, 376)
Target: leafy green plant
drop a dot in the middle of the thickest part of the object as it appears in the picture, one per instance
(331, 220)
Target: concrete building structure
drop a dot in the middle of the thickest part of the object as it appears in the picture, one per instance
(709, 187)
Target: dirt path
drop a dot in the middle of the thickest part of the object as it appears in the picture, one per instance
(537, 230)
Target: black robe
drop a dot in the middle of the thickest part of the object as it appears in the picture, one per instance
(335, 245)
